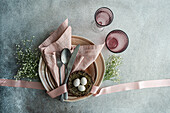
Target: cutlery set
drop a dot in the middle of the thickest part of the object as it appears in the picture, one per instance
(68, 60)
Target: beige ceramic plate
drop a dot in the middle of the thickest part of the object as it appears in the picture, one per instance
(97, 68)
(42, 75)
(49, 78)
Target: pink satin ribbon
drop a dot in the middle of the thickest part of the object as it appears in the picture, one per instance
(130, 86)
(21, 83)
(96, 91)
(58, 91)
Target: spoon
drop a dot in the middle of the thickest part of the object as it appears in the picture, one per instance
(65, 57)
(59, 64)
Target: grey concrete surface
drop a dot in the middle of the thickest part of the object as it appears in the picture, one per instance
(147, 23)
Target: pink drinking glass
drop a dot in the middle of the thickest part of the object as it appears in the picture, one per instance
(117, 41)
(103, 17)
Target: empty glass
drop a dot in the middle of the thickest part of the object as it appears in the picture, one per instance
(117, 41)
(103, 17)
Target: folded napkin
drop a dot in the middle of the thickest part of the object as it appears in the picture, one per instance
(60, 39)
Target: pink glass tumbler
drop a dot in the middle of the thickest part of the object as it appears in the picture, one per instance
(117, 41)
(103, 17)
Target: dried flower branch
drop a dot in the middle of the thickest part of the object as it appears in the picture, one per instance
(112, 73)
(27, 59)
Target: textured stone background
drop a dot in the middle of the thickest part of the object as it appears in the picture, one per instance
(147, 23)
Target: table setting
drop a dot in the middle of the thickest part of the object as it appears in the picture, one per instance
(69, 68)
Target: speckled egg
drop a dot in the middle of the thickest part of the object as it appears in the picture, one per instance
(83, 81)
(81, 88)
(76, 82)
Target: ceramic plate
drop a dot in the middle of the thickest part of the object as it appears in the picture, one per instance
(97, 68)
(42, 75)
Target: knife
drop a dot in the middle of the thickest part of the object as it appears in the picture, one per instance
(69, 68)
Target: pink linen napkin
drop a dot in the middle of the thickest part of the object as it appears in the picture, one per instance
(60, 39)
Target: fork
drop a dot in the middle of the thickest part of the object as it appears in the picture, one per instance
(59, 64)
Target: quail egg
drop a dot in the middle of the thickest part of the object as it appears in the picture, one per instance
(76, 82)
(81, 88)
(83, 81)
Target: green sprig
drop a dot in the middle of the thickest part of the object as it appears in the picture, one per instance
(27, 59)
(112, 71)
